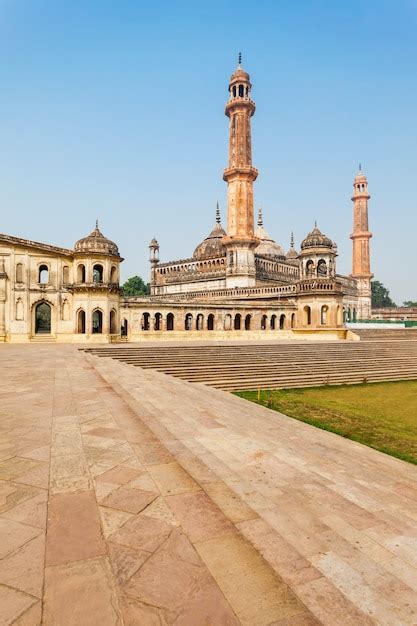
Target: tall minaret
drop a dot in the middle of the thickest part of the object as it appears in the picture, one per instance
(361, 263)
(239, 175)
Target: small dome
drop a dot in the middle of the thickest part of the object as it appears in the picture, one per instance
(267, 246)
(212, 245)
(316, 239)
(154, 243)
(97, 243)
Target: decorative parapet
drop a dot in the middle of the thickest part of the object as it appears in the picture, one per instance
(318, 285)
(189, 270)
(237, 293)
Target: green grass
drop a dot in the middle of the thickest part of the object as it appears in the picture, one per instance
(379, 415)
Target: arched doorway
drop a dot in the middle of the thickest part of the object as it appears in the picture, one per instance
(158, 321)
(247, 322)
(282, 322)
(307, 316)
(264, 321)
(124, 328)
(238, 320)
(97, 322)
(43, 318)
(210, 322)
(200, 322)
(323, 314)
(273, 322)
(81, 322)
(145, 321)
(188, 325)
(227, 321)
(113, 326)
(170, 321)
(293, 320)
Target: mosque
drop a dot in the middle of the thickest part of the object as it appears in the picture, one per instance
(238, 283)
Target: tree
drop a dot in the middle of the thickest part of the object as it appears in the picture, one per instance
(410, 303)
(135, 286)
(380, 295)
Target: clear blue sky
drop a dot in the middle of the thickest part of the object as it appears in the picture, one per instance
(115, 110)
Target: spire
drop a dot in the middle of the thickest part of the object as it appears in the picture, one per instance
(260, 219)
(217, 213)
(360, 167)
(315, 223)
(292, 239)
(239, 61)
(96, 224)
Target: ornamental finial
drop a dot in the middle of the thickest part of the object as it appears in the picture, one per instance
(239, 63)
(315, 223)
(360, 167)
(217, 213)
(292, 239)
(260, 218)
(96, 224)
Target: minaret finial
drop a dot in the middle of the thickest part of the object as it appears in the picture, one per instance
(97, 224)
(360, 167)
(260, 219)
(217, 213)
(315, 223)
(292, 239)
(239, 63)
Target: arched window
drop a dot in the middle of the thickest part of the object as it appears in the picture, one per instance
(43, 318)
(227, 325)
(238, 320)
(282, 322)
(124, 328)
(293, 320)
(247, 322)
(145, 321)
(323, 314)
(97, 273)
(264, 321)
(19, 273)
(19, 309)
(200, 322)
(241, 91)
(210, 322)
(81, 322)
(322, 268)
(113, 322)
(188, 325)
(310, 268)
(81, 273)
(234, 91)
(43, 277)
(158, 321)
(273, 322)
(97, 322)
(170, 321)
(113, 274)
(307, 316)
(65, 275)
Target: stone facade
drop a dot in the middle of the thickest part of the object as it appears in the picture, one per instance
(239, 282)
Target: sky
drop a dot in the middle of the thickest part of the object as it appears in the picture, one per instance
(115, 111)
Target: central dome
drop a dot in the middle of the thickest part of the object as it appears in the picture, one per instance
(212, 246)
(267, 246)
(96, 243)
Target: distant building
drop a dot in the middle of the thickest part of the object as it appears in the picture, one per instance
(239, 281)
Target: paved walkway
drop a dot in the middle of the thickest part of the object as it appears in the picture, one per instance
(130, 497)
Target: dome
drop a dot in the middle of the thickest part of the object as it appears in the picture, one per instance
(267, 246)
(316, 239)
(97, 243)
(212, 245)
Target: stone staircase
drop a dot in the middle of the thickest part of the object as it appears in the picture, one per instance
(278, 365)
(285, 487)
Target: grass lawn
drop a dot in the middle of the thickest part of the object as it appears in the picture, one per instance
(380, 415)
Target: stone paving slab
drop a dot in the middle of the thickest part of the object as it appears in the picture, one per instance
(93, 513)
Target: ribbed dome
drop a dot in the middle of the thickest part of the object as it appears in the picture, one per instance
(316, 239)
(212, 246)
(267, 246)
(97, 243)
